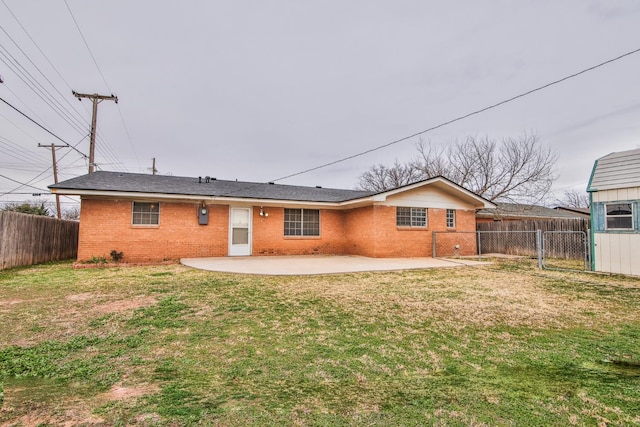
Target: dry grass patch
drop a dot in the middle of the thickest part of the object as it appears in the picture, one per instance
(492, 345)
(476, 296)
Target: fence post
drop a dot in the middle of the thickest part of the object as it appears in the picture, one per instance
(539, 244)
(433, 244)
(478, 245)
(587, 251)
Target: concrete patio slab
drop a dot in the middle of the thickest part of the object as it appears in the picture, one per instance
(318, 264)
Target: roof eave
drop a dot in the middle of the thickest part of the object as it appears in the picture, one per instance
(192, 197)
(593, 172)
(482, 202)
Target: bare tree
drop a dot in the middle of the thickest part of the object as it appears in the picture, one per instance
(574, 199)
(514, 169)
(72, 214)
(380, 177)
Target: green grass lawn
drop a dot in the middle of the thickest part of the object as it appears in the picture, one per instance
(503, 344)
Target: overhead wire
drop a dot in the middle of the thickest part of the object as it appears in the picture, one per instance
(75, 21)
(8, 87)
(459, 118)
(68, 115)
(36, 45)
(43, 93)
(22, 184)
(42, 127)
(65, 98)
(443, 124)
(45, 171)
(110, 153)
(29, 156)
(87, 45)
(10, 149)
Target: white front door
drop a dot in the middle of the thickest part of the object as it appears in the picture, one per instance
(239, 231)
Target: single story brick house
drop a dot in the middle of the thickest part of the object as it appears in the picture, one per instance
(614, 190)
(158, 217)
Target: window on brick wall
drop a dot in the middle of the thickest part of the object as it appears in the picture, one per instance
(451, 218)
(144, 213)
(411, 217)
(302, 222)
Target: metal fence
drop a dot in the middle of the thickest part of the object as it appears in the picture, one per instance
(565, 250)
(555, 250)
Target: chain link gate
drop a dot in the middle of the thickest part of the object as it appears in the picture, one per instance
(565, 250)
(554, 250)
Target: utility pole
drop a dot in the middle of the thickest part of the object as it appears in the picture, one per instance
(55, 171)
(96, 100)
(153, 168)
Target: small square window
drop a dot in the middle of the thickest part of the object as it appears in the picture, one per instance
(619, 216)
(145, 213)
(411, 217)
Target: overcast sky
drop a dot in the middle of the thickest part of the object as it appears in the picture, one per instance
(256, 90)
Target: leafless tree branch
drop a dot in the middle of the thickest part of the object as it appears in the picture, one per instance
(514, 169)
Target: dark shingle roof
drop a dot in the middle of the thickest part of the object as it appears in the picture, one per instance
(579, 211)
(515, 210)
(164, 184)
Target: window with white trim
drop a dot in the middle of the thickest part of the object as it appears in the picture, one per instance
(301, 222)
(411, 217)
(618, 216)
(144, 213)
(451, 218)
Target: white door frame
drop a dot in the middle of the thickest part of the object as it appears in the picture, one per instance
(241, 249)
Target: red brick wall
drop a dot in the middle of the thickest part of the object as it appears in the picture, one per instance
(373, 232)
(361, 236)
(105, 225)
(269, 238)
(463, 235)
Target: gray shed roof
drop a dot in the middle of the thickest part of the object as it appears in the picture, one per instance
(164, 184)
(515, 210)
(616, 170)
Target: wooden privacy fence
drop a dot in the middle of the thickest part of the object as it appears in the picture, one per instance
(30, 239)
(570, 224)
(519, 237)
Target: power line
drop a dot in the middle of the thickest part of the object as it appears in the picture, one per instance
(41, 73)
(95, 99)
(26, 106)
(87, 45)
(41, 173)
(36, 44)
(44, 128)
(109, 152)
(22, 184)
(362, 153)
(124, 125)
(32, 83)
(126, 130)
(457, 119)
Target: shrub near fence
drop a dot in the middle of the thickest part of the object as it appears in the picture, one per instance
(30, 239)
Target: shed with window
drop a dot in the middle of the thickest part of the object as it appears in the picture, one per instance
(614, 190)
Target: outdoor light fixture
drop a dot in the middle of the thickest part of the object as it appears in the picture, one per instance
(263, 213)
